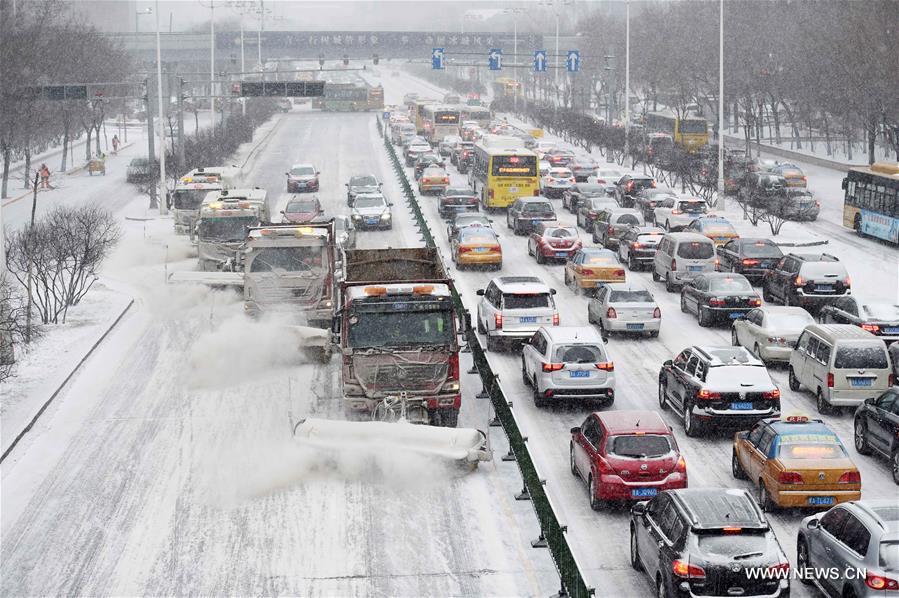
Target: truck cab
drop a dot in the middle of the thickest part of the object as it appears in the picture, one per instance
(224, 219)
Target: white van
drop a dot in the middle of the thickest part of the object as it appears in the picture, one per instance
(681, 257)
(841, 364)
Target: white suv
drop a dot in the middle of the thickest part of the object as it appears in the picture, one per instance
(676, 213)
(568, 362)
(513, 308)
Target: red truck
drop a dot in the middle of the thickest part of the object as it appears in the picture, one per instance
(397, 332)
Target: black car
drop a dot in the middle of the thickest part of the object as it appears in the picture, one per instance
(466, 219)
(721, 386)
(808, 280)
(582, 169)
(706, 542)
(637, 246)
(750, 257)
(461, 155)
(425, 160)
(456, 200)
(647, 200)
(577, 193)
(523, 215)
(877, 317)
(718, 296)
(630, 185)
(363, 183)
(877, 428)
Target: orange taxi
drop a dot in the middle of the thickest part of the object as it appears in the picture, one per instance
(716, 228)
(795, 462)
(591, 267)
(477, 246)
(433, 178)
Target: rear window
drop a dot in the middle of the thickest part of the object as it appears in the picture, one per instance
(696, 250)
(525, 301)
(833, 270)
(729, 285)
(692, 207)
(784, 322)
(642, 184)
(806, 449)
(889, 556)
(630, 297)
(649, 238)
(477, 235)
(561, 233)
(718, 228)
(629, 219)
(639, 447)
(579, 354)
(881, 311)
(860, 357)
(538, 207)
(732, 546)
(761, 250)
(597, 259)
(514, 166)
(731, 375)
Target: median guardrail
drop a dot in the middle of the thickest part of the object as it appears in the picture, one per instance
(552, 530)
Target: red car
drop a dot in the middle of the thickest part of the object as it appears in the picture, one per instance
(553, 242)
(626, 456)
(301, 211)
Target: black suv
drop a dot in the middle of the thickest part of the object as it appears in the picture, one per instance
(760, 188)
(718, 296)
(648, 199)
(630, 185)
(706, 542)
(877, 428)
(523, 215)
(750, 257)
(806, 280)
(724, 386)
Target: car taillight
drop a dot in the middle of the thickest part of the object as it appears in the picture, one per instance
(681, 466)
(771, 394)
(453, 367)
(708, 395)
(676, 212)
(850, 477)
(799, 282)
(495, 248)
(446, 179)
(750, 262)
(490, 193)
(673, 265)
(610, 229)
(829, 380)
(789, 477)
(636, 245)
(657, 313)
(498, 321)
(891, 379)
(463, 249)
(606, 366)
(716, 302)
(779, 567)
(536, 192)
(552, 367)
(611, 313)
(871, 328)
(847, 282)
(630, 185)
(619, 273)
(556, 319)
(685, 569)
(587, 272)
(879, 582)
(755, 302)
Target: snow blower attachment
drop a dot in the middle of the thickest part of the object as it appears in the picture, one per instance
(464, 446)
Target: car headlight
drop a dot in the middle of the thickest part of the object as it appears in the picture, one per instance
(385, 216)
(357, 217)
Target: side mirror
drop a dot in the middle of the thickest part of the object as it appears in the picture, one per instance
(287, 173)
(552, 291)
(282, 211)
(639, 508)
(389, 204)
(667, 363)
(575, 430)
(480, 292)
(813, 524)
(743, 434)
(869, 401)
(346, 184)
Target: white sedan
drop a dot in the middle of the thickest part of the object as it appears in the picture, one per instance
(771, 331)
(625, 308)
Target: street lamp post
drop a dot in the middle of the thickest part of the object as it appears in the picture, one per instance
(163, 196)
(514, 12)
(721, 105)
(627, 78)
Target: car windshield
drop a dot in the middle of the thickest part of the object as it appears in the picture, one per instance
(630, 297)
(579, 354)
(761, 249)
(302, 170)
(304, 206)
(789, 322)
(692, 207)
(288, 259)
(823, 269)
(188, 199)
(696, 250)
(368, 202)
(810, 450)
(226, 229)
(638, 447)
(525, 300)
(560, 173)
(400, 328)
(537, 206)
(888, 558)
(881, 311)
(592, 190)
(872, 357)
(475, 220)
(728, 284)
(363, 181)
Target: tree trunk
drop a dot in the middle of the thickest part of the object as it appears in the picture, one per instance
(811, 138)
(794, 139)
(97, 127)
(65, 142)
(87, 143)
(7, 158)
(776, 114)
(848, 143)
(872, 137)
(27, 170)
(826, 123)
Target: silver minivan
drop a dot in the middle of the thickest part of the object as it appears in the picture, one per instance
(681, 257)
(841, 364)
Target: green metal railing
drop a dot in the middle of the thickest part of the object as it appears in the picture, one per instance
(552, 533)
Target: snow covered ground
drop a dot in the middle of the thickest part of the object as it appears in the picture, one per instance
(167, 466)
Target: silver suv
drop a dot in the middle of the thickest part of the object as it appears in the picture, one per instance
(858, 540)
(513, 308)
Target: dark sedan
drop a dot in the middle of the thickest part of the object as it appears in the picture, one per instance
(716, 296)
(527, 212)
(589, 210)
(750, 257)
(425, 160)
(648, 199)
(630, 185)
(583, 168)
(575, 195)
(876, 427)
(363, 183)
(877, 317)
(456, 200)
(637, 246)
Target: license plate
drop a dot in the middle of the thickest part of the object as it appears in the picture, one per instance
(823, 287)
(694, 268)
(644, 492)
(580, 373)
(635, 326)
(765, 266)
(481, 250)
(513, 189)
(741, 406)
(371, 221)
(820, 500)
(891, 330)
(735, 315)
(561, 254)
(861, 381)
(527, 320)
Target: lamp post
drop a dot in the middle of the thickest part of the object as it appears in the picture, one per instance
(721, 105)
(627, 78)
(514, 12)
(163, 195)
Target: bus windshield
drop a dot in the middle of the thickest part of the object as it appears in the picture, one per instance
(514, 166)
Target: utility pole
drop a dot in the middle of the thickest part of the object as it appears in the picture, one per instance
(627, 77)
(151, 139)
(181, 159)
(163, 199)
(261, 27)
(721, 199)
(243, 69)
(212, 62)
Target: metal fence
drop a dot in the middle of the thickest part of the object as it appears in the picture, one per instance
(552, 531)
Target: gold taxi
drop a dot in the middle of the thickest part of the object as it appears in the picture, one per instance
(477, 246)
(716, 228)
(433, 178)
(590, 267)
(795, 462)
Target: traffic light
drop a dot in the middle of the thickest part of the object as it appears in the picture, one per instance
(346, 59)
(375, 59)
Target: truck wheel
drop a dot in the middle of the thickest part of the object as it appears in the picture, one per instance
(669, 283)
(449, 418)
